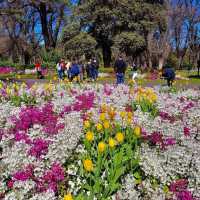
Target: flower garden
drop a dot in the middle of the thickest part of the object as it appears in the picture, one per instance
(96, 141)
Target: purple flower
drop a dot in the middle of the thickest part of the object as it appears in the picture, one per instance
(39, 148)
(169, 141)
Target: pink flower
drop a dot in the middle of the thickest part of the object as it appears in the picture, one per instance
(107, 90)
(6, 70)
(179, 185)
(51, 178)
(24, 175)
(10, 184)
(184, 195)
(186, 131)
(169, 141)
(39, 148)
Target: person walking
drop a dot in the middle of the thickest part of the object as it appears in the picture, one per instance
(60, 69)
(134, 69)
(169, 75)
(95, 69)
(89, 69)
(38, 68)
(120, 69)
(67, 68)
(74, 71)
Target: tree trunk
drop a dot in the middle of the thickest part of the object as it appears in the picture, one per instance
(106, 55)
(27, 58)
(160, 63)
(48, 40)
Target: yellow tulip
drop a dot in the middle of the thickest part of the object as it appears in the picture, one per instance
(122, 114)
(86, 124)
(88, 165)
(137, 131)
(111, 143)
(106, 124)
(68, 197)
(99, 127)
(103, 108)
(101, 147)
(129, 121)
(112, 113)
(129, 115)
(120, 137)
(102, 116)
(89, 136)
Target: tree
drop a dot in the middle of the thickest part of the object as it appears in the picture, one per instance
(104, 20)
(185, 19)
(129, 43)
(80, 45)
(50, 15)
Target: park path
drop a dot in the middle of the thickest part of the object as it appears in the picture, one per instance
(30, 82)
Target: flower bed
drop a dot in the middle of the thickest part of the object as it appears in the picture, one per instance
(98, 142)
(6, 70)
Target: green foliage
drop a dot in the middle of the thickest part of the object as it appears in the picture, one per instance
(80, 45)
(146, 107)
(109, 165)
(129, 42)
(172, 61)
(52, 56)
(70, 31)
(24, 99)
(188, 66)
(121, 22)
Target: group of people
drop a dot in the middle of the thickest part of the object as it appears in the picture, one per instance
(77, 69)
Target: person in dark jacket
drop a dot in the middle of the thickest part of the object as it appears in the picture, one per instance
(169, 75)
(94, 69)
(120, 69)
(74, 70)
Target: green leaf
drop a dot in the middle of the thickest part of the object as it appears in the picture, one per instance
(137, 175)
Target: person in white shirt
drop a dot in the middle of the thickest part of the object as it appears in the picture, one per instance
(59, 69)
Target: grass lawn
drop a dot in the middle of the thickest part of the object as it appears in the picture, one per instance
(193, 82)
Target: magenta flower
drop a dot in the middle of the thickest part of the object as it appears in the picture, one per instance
(184, 195)
(166, 116)
(169, 141)
(25, 174)
(186, 131)
(51, 178)
(39, 148)
(6, 70)
(10, 184)
(179, 185)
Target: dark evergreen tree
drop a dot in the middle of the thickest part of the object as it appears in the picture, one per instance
(105, 19)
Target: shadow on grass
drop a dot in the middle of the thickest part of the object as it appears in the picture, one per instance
(194, 76)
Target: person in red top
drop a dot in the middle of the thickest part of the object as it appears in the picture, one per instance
(38, 68)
